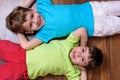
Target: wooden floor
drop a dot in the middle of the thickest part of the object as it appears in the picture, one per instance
(109, 70)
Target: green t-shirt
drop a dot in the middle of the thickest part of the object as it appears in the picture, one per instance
(53, 58)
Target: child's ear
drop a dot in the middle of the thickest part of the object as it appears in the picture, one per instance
(29, 32)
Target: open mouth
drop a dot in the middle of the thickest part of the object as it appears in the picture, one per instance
(39, 21)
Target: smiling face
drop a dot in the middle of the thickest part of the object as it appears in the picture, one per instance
(80, 56)
(33, 21)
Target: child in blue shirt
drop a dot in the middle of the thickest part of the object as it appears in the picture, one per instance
(55, 21)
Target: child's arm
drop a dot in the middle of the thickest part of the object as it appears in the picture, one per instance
(83, 75)
(28, 3)
(26, 44)
(82, 34)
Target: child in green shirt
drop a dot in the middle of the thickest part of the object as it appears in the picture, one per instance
(58, 57)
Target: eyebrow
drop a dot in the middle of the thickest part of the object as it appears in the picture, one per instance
(88, 56)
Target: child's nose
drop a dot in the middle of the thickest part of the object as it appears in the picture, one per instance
(79, 55)
(35, 21)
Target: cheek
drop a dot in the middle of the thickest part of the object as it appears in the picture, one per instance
(37, 13)
(34, 27)
(73, 61)
(77, 61)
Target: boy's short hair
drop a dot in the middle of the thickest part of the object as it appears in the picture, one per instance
(16, 18)
(96, 57)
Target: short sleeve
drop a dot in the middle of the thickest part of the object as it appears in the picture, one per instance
(73, 74)
(76, 78)
(45, 35)
(72, 40)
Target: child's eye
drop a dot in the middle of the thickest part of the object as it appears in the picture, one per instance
(31, 15)
(83, 50)
(30, 25)
(82, 59)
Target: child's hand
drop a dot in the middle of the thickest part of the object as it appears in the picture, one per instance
(82, 34)
(28, 3)
(83, 73)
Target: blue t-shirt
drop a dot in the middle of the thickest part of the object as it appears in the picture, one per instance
(61, 20)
